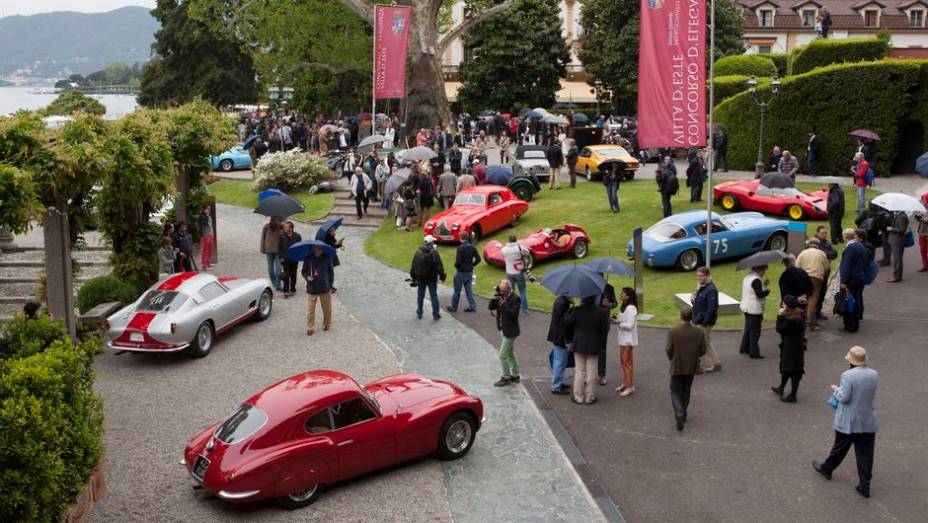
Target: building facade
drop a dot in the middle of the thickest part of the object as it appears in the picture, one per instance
(781, 26)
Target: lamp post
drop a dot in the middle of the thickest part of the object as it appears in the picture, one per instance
(762, 106)
(598, 91)
(280, 95)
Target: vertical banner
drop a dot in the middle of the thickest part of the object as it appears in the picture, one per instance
(672, 73)
(391, 35)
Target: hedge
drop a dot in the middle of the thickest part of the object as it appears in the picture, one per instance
(834, 100)
(821, 52)
(103, 289)
(746, 65)
(728, 86)
(780, 60)
(51, 423)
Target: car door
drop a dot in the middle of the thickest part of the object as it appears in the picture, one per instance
(583, 159)
(496, 213)
(220, 303)
(364, 439)
(311, 455)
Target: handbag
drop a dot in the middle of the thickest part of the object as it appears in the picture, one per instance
(909, 239)
(840, 303)
(832, 402)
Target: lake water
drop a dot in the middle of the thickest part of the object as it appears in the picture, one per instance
(13, 99)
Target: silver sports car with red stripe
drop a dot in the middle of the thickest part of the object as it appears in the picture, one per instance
(186, 311)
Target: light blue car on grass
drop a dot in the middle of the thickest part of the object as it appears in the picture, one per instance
(234, 158)
(680, 240)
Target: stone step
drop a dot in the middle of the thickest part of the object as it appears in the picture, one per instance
(20, 279)
(34, 271)
(38, 256)
(351, 220)
(29, 248)
(41, 264)
(373, 210)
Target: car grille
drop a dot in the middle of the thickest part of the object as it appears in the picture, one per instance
(442, 229)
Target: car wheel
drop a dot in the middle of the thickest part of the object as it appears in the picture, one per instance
(689, 260)
(523, 192)
(202, 341)
(475, 234)
(729, 202)
(629, 175)
(587, 173)
(580, 248)
(265, 303)
(777, 242)
(301, 498)
(226, 165)
(456, 436)
(795, 212)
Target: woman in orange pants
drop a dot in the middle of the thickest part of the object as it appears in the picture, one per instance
(628, 338)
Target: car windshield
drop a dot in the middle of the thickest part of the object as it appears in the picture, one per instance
(666, 231)
(244, 422)
(788, 192)
(162, 301)
(470, 199)
(610, 152)
(534, 155)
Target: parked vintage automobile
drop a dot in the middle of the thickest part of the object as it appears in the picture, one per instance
(680, 240)
(531, 159)
(750, 195)
(480, 210)
(320, 427)
(524, 183)
(594, 158)
(234, 158)
(186, 311)
(543, 244)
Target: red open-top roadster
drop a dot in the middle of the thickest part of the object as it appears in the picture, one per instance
(542, 244)
(319, 427)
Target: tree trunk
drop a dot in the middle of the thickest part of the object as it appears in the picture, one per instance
(425, 88)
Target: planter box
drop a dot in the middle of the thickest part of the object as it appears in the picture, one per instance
(93, 491)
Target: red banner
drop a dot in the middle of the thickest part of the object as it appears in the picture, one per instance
(391, 35)
(672, 74)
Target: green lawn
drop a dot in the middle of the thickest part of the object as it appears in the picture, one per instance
(587, 206)
(239, 192)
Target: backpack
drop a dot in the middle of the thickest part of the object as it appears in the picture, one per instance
(870, 273)
(422, 263)
(869, 176)
(674, 185)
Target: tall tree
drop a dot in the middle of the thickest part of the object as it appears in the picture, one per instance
(513, 67)
(193, 60)
(609, 48)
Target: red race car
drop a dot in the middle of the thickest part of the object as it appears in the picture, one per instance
(479, 210)
(543, 244)
(320, 427)
(750, 195)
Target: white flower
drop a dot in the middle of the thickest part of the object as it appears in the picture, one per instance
(290, 171)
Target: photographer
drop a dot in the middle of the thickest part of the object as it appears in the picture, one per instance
(425, 272)
(506, 305)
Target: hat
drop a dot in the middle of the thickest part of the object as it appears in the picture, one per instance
(791, 301)
(31, 308)
(856, 356)
(430, 239)
(476, 161)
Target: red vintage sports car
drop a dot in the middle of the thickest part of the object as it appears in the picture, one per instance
(479, 210)
(320, 427)
(750, 195)
(542, 244)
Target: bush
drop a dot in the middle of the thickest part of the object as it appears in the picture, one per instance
(70, 102)
(746, 65)
(821, 52)
(728, 86)
(52, 427)
(22, 336)
(290, 171)
(103, 289)
(834, 100)
(780, 60)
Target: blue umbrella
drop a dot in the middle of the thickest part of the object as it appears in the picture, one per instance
(487, 112)
(535, 115)
(575, 281)
(299, 251)
(499, 174)
(610, 265)
(580, 118)
(324, 230)
(269, 192)
(251, 139)
(921, 165)
(279, 205)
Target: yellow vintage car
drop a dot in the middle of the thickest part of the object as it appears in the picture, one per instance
(594, 158)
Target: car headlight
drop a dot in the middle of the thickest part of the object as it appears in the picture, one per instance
(430, 225)
(455, 227)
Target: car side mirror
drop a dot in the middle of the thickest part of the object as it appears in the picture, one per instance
(751, 193)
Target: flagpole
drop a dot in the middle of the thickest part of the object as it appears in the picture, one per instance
(374, 78)
(710, 146)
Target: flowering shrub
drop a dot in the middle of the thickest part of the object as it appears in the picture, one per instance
(290, 171)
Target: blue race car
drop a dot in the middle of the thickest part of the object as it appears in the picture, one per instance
(680, 240)
(234, 158)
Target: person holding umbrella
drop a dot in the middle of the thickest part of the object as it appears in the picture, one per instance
(326, 235)
(556, 335)
(319, 273)
(288, 267)
(587, 329)
(270, 245)
(754, 290)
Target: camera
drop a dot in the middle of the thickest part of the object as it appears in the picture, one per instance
(411, 282)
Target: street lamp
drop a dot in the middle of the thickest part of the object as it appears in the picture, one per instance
(762, 106)
(598, 90)
(281, 95)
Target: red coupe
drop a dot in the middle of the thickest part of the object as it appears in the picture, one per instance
(320, 427)
(543, 244)
(750, 195)
(479, 210)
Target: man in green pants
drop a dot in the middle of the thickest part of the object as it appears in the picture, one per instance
(506, 304)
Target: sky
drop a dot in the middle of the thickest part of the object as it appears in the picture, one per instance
(29, 7)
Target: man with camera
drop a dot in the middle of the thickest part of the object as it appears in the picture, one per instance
(505, 305)
(425, 272)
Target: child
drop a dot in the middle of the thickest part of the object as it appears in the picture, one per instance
(166, 256)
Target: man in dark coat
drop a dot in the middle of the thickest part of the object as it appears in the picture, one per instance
(794, 281)
(572, 154)
(607, 301)
(465, 259)
(721, 151)
(705, 302)
(183, 246)
(686, 343)
(587, 329)
(555, 161)
(835, 209)
(319, 274)
(426, 270)
(506, 304)
(556, 335)
(454, 158)
(854, 262)
(696, 175)
(791, 325)
(811, 153)
(667, 183)
(895, 236)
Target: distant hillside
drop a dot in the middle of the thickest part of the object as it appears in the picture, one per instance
(49, 45)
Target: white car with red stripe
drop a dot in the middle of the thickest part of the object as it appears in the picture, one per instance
(186, 311)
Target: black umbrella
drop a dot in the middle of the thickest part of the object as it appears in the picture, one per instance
(575, 281)
(279, 205)
(776, 180)
(760, 258)
(610, 265)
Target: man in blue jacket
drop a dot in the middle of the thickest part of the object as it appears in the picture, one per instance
(855, 420)
(319, 273)
(705, 313)
(464, 261)
(854, 262)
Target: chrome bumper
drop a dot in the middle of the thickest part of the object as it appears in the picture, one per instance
(233, 496)
(143, 349)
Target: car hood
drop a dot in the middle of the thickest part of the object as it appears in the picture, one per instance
(744, 220)
(409, 390)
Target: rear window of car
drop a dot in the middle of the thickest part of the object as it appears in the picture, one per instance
(610, 152)
(244, 422)
(162, 301)
(666, 231)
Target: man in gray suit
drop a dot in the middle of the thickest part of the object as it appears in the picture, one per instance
(855, 421)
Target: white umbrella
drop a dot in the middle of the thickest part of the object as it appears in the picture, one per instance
(554, 119)
(372, 140)
(895, 201)
(419, 153)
